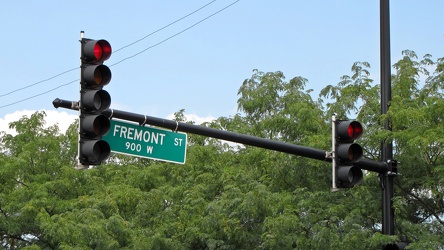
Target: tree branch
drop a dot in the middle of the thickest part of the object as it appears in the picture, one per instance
(422, 202)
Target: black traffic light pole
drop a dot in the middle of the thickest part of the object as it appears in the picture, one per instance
(386, 178)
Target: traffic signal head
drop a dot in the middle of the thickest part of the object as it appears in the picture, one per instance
(348, 130)
(346, 152)
(348, 176)
(96, 76)
(94, 51)
(93, 100)
(395, 246)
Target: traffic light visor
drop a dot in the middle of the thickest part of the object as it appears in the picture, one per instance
(96, 75)
(348, 130)
(350, 176)
(348, 152)
(96, 125)
(96, 100)
(95, 151)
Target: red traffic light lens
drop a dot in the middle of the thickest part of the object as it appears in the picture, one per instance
(348, 130)
(103, 49)
(354, 130)
(96, 51)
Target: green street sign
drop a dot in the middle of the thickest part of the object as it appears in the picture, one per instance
(148, 142)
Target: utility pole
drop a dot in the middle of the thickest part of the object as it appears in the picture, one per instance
(388, 221)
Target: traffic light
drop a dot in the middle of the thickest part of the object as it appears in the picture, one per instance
(346, 152)
(396, 246)
(93, 100)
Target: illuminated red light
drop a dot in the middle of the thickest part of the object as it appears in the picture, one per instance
(98, 51)
(350, 131)
(105, 50)
(354, 130)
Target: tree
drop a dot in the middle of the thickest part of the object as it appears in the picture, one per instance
(238, 197)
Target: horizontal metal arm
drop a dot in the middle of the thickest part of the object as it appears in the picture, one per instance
(220, 134)
(313, 153)
(371, 165)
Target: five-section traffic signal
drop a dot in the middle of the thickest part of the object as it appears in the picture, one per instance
(346, 152)
(93, 100)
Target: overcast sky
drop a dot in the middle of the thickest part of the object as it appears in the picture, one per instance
(203, 52)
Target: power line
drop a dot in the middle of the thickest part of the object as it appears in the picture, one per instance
(164, 27)
(128, 45)
(66, 84)
(45, 80)
(129, 57)
(178, 33)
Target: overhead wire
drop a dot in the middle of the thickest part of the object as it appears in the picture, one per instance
(178, 33)
(129, 57)
(30, 97)
(45, 80)
(164, 27)
(126, 46)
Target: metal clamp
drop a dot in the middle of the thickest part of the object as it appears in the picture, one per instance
(112, 113)
(144, 122)
(328, 155)
(177, 126)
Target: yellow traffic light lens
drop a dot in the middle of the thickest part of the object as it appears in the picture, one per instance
(350, 154)
(98, 78)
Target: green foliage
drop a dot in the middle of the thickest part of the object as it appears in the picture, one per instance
(238, 197)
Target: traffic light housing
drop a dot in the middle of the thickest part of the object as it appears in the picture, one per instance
(395, 246)
(93, 100)
(346, 152)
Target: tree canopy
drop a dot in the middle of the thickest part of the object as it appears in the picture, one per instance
(239, 197)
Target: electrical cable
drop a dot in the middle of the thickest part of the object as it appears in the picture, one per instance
(178, 33)
(22, 100)
(45, 80)
(164, 27)
(129, 57)
(128, 45)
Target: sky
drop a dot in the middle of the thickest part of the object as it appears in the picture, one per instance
(194, 55)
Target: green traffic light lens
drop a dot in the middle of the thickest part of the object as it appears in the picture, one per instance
(349, 176)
